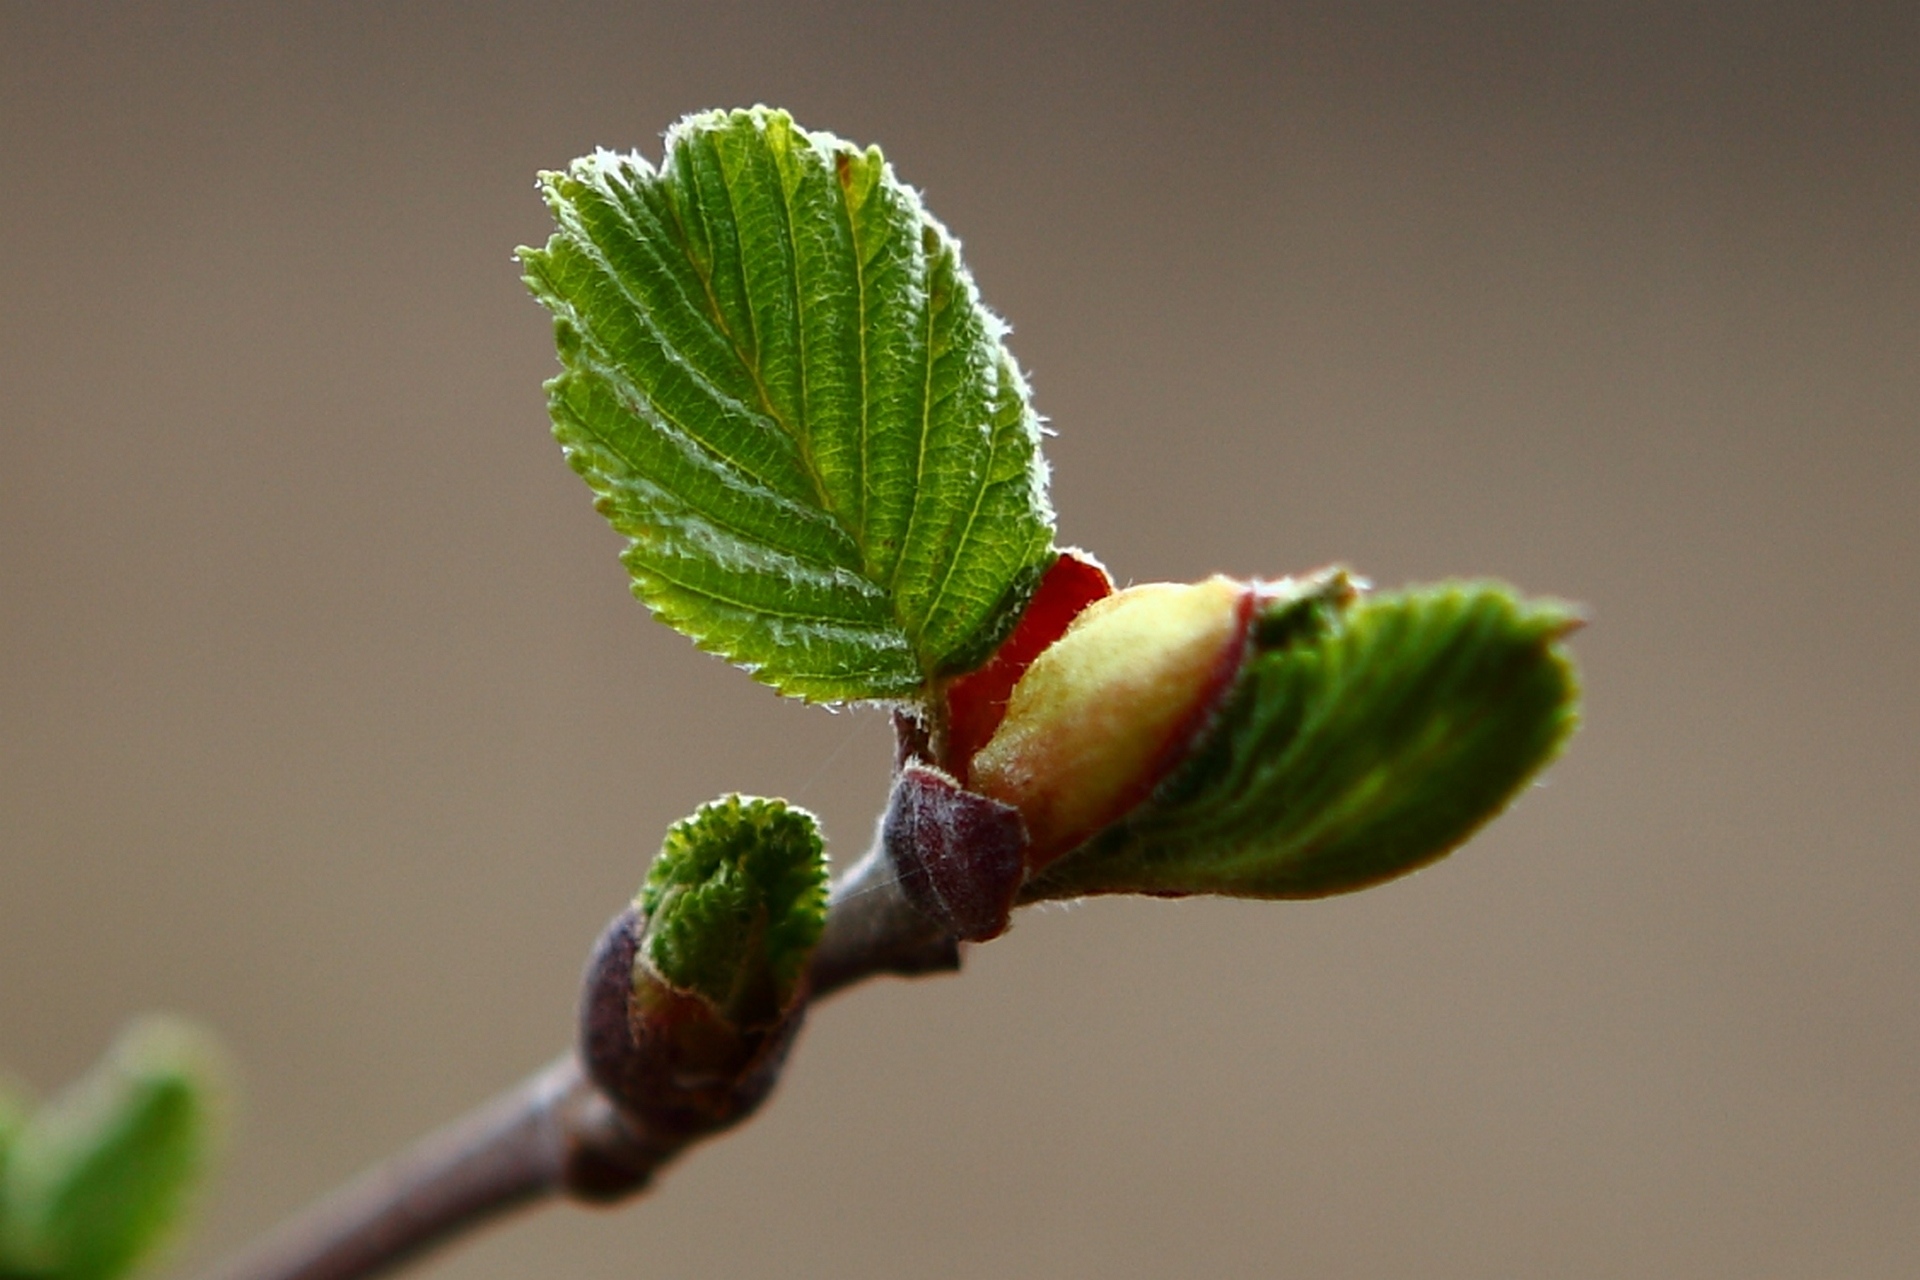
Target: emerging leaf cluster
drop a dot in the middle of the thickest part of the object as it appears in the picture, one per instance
(780, 384)
(735, 903)
(91, 1183)
(1365, 739)
(783, 388)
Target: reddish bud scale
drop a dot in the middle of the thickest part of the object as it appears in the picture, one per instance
(977, 701)
(666, 1058)
(960, 856)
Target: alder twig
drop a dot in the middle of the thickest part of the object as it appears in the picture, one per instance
(555, 1134)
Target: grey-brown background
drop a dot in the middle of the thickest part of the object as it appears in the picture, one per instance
(328, 722)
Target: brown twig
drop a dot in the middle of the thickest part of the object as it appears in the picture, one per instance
(556, 1134)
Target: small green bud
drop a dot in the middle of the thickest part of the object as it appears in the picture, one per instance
(695, 993)
(734, 905)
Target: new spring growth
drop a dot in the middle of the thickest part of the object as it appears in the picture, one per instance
(783, 388)
(1253, 739)
(697, 990)
(733, 907)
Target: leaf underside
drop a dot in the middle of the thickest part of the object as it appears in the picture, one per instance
(783, 388)
(1360, 743)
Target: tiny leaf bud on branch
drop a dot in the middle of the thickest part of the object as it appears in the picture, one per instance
(696, 992)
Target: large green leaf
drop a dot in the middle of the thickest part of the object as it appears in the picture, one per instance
(1364, 740)
(781, 384)
(99, 1175)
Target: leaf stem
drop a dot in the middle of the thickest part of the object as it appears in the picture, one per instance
(555, 1134)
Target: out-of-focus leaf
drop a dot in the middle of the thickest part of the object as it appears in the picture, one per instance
(100, 1174)
(13, 1117)
(14, 1112)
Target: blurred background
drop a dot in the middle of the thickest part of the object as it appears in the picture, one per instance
(326, 719)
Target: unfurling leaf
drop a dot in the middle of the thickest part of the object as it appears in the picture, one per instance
(97, 1177)
(694, 993)
(734, 904)
(782, 386)
(1363, 739)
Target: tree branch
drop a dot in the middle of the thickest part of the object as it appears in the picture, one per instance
(872, 929)
(556, 1134)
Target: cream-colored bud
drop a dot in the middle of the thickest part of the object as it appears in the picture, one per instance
(1101, 715)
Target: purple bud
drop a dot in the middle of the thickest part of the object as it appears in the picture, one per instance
(960, 856)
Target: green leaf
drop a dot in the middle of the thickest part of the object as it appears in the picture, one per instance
(1362, 741)
(98, 1176)
(13, 1117)
(735, 903)
(782, 385)
(14, 1112)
